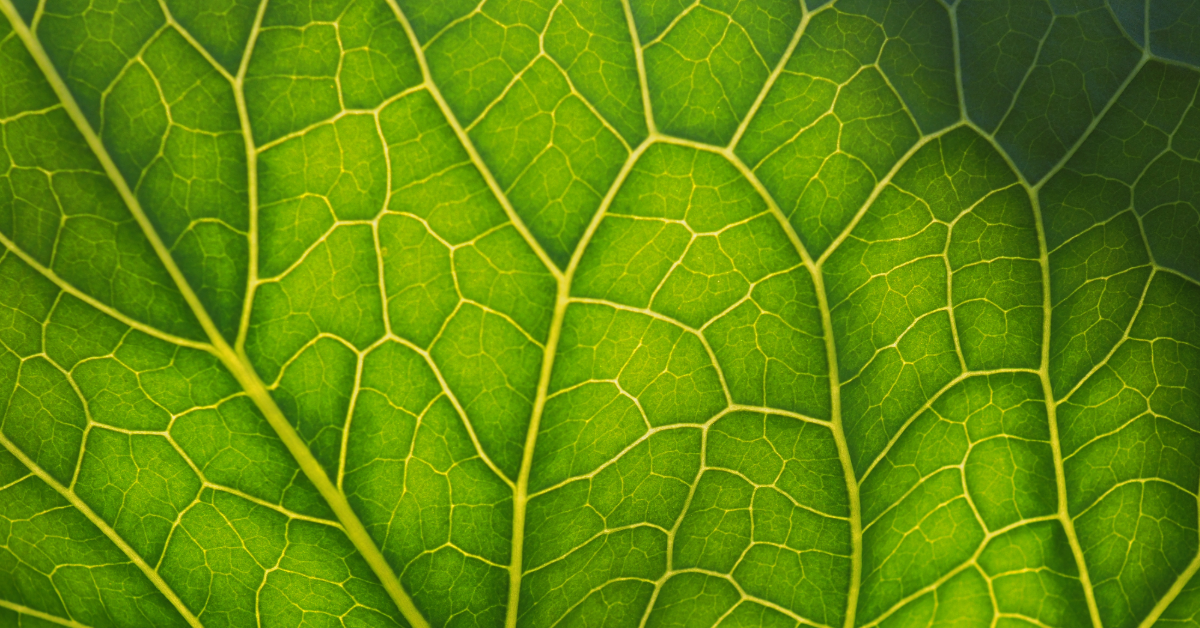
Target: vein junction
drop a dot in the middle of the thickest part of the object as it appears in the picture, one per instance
(387, 312)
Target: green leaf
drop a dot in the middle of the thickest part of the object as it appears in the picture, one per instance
(534, 313)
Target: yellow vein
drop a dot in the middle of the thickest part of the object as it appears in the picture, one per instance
(28, 112)
(970, 563)
(355, 531)
(38, 13)
(469, 146)
(837, 427)
(587, 103)
(955, 38)
(958, 350)
(14, 483)
(1047, 309)
(136, 59)
(1064, 512)
(1145, 25)
(1033, 65)
(698, 333)
(83, 508)
(1093, 124)
(235, 363)
(839, 437)
(343, 113)
(291, 514)
(25, 610)
(104, 308)
(458, 407)
(675, 21)
(1118, 344)
(508, 87)
(775, 74)
(562, 300)
(466, 17)
(187, 36)
(683, 511)
(639, 58)
(879, 187)
(1165, 601)
(344, 449)
(1099, 499)
(581, 546)
(110, 169)
(239, 96)
(754, 598)
(835, 397)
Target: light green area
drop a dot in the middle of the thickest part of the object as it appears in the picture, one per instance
(553, 157)
(707, 66)
(620, 313)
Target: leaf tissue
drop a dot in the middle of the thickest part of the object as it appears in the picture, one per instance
(599, 313)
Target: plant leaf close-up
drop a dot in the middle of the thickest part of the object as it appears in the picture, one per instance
(604, 313)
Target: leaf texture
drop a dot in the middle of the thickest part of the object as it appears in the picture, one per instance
(645, 313)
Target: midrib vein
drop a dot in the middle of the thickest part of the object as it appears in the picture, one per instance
(236, 364)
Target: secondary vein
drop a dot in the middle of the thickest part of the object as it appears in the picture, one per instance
(234, 362)
(469, 146)
(562, 301)
(1063, 510)
(102, 525)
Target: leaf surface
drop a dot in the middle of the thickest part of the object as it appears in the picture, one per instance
(383, 313)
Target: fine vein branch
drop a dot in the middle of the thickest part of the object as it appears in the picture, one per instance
(241, 370)
(105, 529)
(927, 261)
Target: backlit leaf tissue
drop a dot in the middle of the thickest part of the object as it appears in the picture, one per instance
(599, 313)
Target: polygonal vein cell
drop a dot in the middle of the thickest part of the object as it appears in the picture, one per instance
(878, 314)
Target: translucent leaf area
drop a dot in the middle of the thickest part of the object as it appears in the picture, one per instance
(599, 313)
